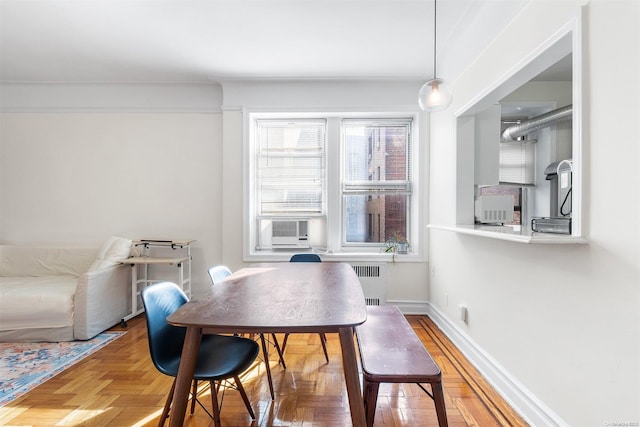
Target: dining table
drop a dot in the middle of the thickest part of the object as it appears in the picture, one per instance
(283, 297)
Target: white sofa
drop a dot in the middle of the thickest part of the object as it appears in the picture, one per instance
(62, 293)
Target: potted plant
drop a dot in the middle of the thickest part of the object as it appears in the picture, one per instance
(396, 245)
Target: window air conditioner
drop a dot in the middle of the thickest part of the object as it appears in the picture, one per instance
(289, 233)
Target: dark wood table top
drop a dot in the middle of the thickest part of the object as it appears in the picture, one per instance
(280, 297)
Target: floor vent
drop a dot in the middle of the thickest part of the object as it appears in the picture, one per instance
(373, 278)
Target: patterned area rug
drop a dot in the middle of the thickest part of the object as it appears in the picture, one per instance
(24, 366)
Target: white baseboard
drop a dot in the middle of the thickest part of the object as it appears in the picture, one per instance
(411, 307)
(523, 401)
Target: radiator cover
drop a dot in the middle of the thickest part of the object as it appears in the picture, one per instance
(373, 279)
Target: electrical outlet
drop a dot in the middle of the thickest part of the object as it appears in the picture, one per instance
(464, 313)
(446, 300)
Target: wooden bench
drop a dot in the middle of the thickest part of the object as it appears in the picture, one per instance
(391, 352)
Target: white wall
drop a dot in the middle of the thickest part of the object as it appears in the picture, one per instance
(138, 166)
(80, 162)
(562, 320)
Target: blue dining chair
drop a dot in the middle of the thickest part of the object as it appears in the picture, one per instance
(220, 272)
(305, 257)
(220, 357)
(308, 257)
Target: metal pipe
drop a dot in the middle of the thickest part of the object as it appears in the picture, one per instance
(547, 119)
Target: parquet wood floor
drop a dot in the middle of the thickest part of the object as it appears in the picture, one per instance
(119, 386)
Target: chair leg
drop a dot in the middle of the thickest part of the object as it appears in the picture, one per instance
(284, 342)
(265, 356)
(214, 404)
(323, 341)
(438, 399)
(243, 393)
(167, 405)
(280, 352)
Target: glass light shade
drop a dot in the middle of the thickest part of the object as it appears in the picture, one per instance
(434, 95)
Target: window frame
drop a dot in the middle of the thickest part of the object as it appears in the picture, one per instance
(335, 247)
(385, 188)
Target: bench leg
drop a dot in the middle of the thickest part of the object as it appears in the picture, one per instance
(438, 399)
(370, 400)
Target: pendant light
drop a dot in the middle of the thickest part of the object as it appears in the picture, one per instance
(434, 95)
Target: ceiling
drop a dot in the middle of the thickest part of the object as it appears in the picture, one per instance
(200, 41)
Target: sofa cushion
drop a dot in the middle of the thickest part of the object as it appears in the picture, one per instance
(42, 261)
(36, 302)
(114, 250)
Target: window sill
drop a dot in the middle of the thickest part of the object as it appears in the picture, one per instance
(508, 233)
(338, 256)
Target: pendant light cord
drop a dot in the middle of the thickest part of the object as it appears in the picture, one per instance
(435, 2)
(434, 95)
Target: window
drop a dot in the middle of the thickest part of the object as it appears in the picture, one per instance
(336, 183)
(383, 147)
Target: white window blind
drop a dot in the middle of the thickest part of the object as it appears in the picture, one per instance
(517, 162)
(290, 167)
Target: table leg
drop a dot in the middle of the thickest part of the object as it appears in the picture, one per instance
(352, 380)
(185, 375)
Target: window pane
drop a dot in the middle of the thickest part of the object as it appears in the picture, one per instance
(376, 152)
(290, 167)
(375, 217)
(291, 136)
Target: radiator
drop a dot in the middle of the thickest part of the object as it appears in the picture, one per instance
(373, 278)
